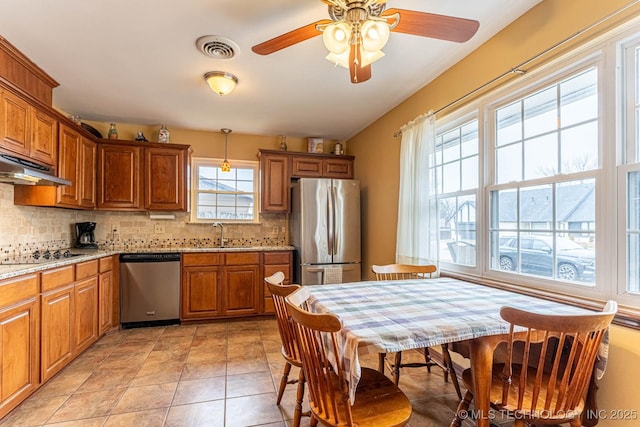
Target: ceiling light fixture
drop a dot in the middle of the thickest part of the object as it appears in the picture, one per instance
(225, 166)
(221, 82)
(359, 30)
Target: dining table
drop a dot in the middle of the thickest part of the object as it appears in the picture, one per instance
(390, 316)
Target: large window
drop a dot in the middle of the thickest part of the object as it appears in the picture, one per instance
(223, 196)
(543, 212)
(456, 166)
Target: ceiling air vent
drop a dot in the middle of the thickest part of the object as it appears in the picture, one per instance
(217, 47)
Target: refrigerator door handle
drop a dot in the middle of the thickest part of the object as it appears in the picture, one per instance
(330, 222)
(334, 242)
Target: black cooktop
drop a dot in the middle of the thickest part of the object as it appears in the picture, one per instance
(38, 257)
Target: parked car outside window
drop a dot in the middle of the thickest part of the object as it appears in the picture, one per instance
(573, 261)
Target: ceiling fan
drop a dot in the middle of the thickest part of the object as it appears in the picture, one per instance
(358, 30)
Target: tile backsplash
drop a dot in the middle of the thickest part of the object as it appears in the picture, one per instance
(24, 229)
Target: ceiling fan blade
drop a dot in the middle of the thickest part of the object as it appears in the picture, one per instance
(357, 73)
(289, 39)
(434, 26)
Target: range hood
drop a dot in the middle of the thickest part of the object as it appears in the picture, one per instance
(15, 170)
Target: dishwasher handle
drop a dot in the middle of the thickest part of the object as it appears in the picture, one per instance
(150, 257)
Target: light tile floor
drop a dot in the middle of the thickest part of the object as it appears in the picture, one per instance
(220, 374)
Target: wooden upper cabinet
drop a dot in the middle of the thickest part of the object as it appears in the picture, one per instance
(307, 167)
(277, 168)
(165, 179)
(119, 177)
(14, 123)
(44, 137)
(69, 167)
(87, 173)
(274, 182)
(136, 176)
(27, 131)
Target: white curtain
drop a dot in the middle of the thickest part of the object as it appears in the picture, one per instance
(418, 225)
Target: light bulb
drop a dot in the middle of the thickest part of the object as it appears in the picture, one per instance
(336, 37)
(375, 35)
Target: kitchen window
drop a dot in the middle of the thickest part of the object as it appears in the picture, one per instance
(218, 196)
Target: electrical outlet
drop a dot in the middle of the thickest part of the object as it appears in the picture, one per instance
(158, 228)
(274, 230)
(283, 229)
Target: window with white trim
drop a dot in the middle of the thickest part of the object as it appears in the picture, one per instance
(542, 208)
(456, 170)
(218, 196)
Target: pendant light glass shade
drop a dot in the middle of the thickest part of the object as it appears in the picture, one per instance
(336, 37)
(221, 82)
(375, 35)
(225, 166)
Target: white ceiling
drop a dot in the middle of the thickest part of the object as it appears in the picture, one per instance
(135, 61)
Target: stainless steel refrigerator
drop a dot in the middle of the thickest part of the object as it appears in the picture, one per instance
(325, 230)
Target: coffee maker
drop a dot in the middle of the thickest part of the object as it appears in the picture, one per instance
(84, 235)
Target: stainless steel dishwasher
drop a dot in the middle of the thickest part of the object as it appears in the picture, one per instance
(149, 289)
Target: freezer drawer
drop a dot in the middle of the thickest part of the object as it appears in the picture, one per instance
(330, 273)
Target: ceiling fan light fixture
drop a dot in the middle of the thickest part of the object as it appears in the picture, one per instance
(375, 35)
(339, 59)
(221, 82)
(367, 58)
(336, 37)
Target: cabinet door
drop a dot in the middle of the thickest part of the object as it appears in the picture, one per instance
(337, 168)
(200, 293)
(105, 301)
(18, 353)
(14, 123)
(87, 158)
(44, 138)
(274, 182)
(119, 177)
(69, 167)
(242, 294)
(306, 167)
(165, 179)
(274, 262)
(57, 331)
(85, 313)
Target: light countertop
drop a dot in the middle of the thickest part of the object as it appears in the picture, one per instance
(8, 271)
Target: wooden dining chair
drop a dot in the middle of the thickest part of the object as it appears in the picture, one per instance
(290, 350)
(548, 367)
(406, 272)
(378, 402)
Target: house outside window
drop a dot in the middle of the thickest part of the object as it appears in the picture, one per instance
(218, 196)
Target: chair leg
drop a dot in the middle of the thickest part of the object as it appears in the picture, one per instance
(381, 357)
(283, 381)
(448, 363)
(313, 422)
(297, 413)
(461, 411)
(427, 359)
(396, 367)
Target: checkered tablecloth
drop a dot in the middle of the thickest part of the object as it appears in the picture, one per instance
(390, 316)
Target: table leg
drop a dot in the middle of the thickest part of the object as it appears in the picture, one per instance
(481, 360)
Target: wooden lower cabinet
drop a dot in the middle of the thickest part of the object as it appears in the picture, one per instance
(85, 313)
(18, 353)
(57, 345)
(200, 292)
(105, 302)
(242, 294)
(274, 262)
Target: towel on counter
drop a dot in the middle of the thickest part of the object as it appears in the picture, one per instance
(332, 275)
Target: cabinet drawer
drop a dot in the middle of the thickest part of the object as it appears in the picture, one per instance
(17, 289)
(86, 269)
(57, 277)
(206, 258)
(242, 258)
(277, 257)
(106, 264)
(271, 269)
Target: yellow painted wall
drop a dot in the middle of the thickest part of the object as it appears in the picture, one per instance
(377, 153)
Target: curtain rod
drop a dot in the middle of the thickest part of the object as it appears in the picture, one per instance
(517, 69)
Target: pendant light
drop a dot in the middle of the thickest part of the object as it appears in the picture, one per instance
(225, 166)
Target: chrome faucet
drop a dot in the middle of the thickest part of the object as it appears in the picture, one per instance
(222, 239)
